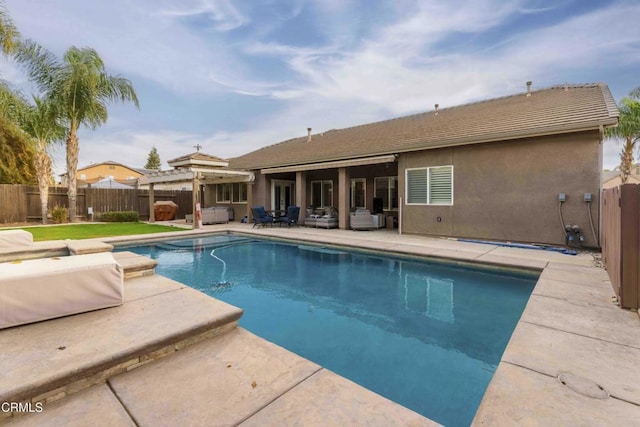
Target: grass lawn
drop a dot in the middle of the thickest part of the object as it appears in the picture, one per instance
(88, 231)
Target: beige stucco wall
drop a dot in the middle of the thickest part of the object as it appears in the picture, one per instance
(509, 190)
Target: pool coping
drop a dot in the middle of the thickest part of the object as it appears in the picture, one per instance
(569, 314)
(571, 306)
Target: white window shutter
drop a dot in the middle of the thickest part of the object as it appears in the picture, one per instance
(441, 185)
(417, 186)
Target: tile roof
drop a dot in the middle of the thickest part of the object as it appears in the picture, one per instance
(558, 109)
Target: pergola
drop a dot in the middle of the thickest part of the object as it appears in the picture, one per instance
(196, 168)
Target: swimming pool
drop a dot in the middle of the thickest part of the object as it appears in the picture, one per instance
(427, 335)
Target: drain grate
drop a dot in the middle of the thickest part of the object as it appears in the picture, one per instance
(583, 386)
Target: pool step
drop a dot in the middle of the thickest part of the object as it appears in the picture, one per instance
(52, 359)
(135, 265)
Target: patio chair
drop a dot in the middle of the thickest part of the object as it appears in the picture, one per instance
(260, 216)
(293, 212)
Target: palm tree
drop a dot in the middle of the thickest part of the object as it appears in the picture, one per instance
(42, 124)
(80, 88)
(9, 36)
(628, 129)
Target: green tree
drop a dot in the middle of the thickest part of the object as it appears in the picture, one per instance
(153, 160)
(80, 88)
(628, 130)
(16, 154)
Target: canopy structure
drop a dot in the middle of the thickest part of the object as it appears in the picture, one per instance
(197, 168)
(107, 182)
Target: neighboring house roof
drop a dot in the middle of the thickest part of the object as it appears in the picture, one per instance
(108, 162)
(608, 177)
(559, 109)
(144, 171)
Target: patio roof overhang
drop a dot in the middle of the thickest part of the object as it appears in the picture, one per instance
(333, 164)
(205, 175)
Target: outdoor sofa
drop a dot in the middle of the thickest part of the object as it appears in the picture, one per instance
(322, 218)
(212, 215)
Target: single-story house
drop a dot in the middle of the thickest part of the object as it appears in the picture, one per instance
(515, 168)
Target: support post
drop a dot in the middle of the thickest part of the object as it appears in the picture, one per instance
(196, 199)
(250, 203)
(344, 185)
(301, 194)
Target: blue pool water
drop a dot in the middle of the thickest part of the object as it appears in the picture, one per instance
(426, 335)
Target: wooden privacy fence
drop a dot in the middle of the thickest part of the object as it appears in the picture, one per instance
(21, 203)
(621, 241)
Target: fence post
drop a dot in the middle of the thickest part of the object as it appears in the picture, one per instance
(152, 214)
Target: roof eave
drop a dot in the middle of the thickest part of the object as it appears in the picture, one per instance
(507, 136)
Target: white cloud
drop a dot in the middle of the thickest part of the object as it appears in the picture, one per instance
(399, 64)
(222, 13)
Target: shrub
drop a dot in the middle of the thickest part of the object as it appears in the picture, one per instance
(124, 216)
(59, 214)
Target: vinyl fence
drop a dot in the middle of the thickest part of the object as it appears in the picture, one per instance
(21, 203)
(621, 241)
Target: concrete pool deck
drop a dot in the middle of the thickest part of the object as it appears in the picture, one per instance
(570, 328)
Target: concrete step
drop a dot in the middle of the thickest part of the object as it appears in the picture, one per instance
(49, 360)
(135, 265)
(235, 378)
(81, 247)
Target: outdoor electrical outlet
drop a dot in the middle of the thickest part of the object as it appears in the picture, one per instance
(562, 197)
(587, 197)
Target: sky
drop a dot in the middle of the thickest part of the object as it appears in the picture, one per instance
(234, 76)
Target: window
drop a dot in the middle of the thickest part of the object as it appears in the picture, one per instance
(322, 193)
(83, 176)
(359, 193)
(430, 186)
(239, 192)
(231, 193)
(386, 188)
(223, 193)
